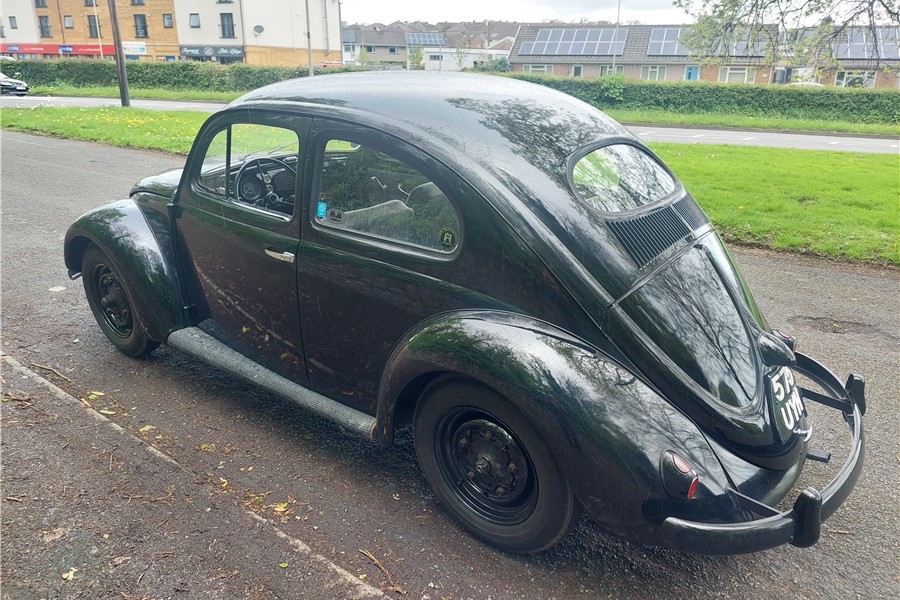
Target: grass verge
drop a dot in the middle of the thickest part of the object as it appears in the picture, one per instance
(836, 204)
(660, 117)
(155, 93)
(649, 117)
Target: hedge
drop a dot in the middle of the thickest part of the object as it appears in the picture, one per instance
(181, 75)
(831, 103)
(828, 103)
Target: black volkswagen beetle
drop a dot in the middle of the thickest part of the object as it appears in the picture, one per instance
(505, 269)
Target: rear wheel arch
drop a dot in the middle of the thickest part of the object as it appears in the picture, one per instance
(491, 467)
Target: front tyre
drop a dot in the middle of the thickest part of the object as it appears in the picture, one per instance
(490, 468)
(110, 301)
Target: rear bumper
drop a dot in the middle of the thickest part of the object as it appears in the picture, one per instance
(801, 526)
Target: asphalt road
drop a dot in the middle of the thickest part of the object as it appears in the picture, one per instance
(244, 496)
(654, 133)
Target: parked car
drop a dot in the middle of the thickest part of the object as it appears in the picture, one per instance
(505, 269)
(8, 85)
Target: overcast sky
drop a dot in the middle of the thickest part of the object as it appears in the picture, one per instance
(526, 11)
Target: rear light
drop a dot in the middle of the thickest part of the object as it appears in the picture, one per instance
(679, 477)
(775, 350)
(789, 340)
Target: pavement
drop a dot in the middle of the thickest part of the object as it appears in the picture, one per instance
(91, 510)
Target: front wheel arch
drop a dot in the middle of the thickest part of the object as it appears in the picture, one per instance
(111, 299)
(490, 467)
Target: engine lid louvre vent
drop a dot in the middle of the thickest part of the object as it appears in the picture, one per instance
(647, 236)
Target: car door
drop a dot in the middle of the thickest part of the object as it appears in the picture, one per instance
(238, 231)
(382, 242)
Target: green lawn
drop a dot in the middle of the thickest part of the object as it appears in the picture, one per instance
(837, 204)
(649, 117)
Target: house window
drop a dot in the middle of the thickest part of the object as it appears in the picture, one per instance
(93, 27)
(692, 73)
(44, 26)
(576, 70)
(13, 23)
(137, 2)
(40, 4)
(226, 22)
(168, 22)
(736, 75)
(68, 22)
(140, 26)
(653, 72)
(349, 48)
(392, 50)
(855, 79)
(543, 69)
(90, 2)
(607, 70)
(369, 48)
(194, 20)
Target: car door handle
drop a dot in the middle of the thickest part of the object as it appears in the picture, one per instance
(283, 256)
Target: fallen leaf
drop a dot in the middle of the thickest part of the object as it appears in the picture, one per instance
(280, 507)
(146, 428)
(70, 574)
(208, 447)
(283, 565)
(106, 411)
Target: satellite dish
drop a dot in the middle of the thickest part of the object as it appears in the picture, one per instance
(258, 29)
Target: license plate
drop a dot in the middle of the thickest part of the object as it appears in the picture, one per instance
(788, 406)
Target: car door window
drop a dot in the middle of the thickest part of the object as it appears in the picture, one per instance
(253, 165)
(374, 194)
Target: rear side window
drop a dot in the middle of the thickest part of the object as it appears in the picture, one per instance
(620, 177)
(368, 192)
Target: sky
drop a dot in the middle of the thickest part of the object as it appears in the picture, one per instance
(524, 11)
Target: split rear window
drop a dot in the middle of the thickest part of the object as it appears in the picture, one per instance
(619, 178)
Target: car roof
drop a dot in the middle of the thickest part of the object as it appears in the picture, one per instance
(474, 114)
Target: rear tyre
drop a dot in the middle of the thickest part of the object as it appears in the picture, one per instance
(110, 301)
(491, 469)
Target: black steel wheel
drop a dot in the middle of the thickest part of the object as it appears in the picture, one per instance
(108, 297)
(490, 468)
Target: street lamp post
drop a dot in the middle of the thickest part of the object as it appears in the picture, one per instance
(120, 54)
(616, 36)
(99, 34)
(309, 41)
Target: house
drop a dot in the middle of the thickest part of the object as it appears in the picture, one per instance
(658, 53)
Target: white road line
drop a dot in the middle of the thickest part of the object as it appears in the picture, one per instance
(361, 589)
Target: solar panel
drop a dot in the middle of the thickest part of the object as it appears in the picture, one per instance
(424, 39)
(746, 47)
(889, 43)
(576, 42)
(856, 45)
(666, 41)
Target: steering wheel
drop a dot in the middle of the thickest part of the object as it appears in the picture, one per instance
(258, 189)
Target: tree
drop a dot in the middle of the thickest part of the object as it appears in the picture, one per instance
(416, 58)
(799, 31)
(461, 51)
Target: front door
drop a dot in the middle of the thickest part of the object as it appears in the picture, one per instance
(238, 233)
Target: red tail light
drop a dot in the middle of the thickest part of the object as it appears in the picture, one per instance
(679, 477)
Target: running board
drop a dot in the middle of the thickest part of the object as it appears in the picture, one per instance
(201, 345)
